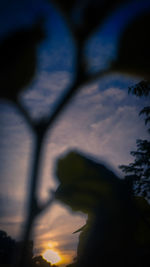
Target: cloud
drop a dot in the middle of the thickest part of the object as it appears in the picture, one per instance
(12, 212)
(95, 119)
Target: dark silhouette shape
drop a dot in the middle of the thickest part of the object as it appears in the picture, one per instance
(84, 17)
(133, 52)
(7, 248)
(29, 252)
(18, 60)
(111, 234)
(10, 251)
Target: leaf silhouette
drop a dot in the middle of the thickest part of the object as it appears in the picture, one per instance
(18, 60)
(134, 52)
(93, 14)
(84, 17)
(83, 182)
(117, 226)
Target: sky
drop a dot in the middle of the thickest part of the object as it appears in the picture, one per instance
(102, 120)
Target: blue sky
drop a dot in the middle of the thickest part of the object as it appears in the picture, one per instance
(101, 120)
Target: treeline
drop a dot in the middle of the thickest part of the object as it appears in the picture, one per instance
(10, 252)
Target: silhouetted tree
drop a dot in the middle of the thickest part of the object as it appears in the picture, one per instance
(139, 170)
(7, 248)
(39, 261)
(10, 251)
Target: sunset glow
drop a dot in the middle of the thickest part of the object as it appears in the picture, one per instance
(51, 256)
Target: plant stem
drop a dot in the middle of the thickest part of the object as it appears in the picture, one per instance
(32, 205)
(39, 130)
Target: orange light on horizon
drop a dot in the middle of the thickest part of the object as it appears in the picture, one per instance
(51, 256)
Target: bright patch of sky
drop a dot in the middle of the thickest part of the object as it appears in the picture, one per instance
(101, 120)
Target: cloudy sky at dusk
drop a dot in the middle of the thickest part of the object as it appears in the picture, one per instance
(102, 120)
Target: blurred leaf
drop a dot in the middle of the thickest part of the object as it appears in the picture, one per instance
(134, 48)
(83, 182)
(115, 224)
(84, 17)
(93, 14)
(18, 60)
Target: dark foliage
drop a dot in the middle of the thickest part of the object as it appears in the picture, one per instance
(83, 182)
(139, 170)
(7, 248)
(140, 89)
(38, 261)
(10, 251)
